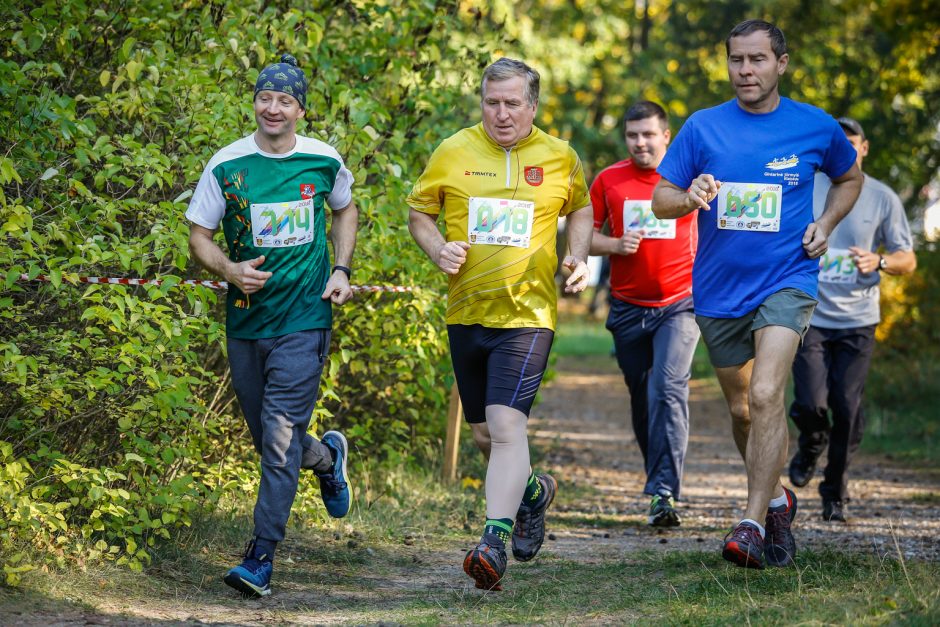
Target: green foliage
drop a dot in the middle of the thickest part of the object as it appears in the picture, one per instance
(902, 388)
(876, 61)
(116, 420)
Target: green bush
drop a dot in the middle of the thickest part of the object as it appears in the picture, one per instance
(902, 390)
(117, 420)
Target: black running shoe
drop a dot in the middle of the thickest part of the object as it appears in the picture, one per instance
(486, 564)
(833, 511)
(779, 544)
(802, 468)
(744, 546)
(529, 530)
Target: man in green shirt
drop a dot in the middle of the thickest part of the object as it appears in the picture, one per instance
(268, 192)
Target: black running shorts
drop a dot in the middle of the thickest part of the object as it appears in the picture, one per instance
(498, 366)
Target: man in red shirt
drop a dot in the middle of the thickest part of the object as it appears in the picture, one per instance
(651, 315)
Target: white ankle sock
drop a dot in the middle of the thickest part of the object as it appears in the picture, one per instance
(759, 526)
(780, 501)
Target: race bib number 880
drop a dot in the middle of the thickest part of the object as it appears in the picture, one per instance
(750, 207)
(638, 215)
(500, 222)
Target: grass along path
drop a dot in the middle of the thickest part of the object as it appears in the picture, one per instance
(400, 560)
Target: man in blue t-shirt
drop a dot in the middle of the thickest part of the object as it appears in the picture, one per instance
(749, 165)
(832, 364)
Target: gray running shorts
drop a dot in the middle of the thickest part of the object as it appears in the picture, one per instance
(730, 341)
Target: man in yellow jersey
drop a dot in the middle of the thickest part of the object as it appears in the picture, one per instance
(502, 185)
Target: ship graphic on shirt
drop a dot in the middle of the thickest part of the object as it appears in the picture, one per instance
(783, 163)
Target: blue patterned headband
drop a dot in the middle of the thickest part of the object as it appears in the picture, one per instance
(285, 77)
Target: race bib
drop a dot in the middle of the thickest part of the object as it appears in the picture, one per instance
(750, 207)
(282, 224)
(837, 266)
(500, 222)
(638, 215)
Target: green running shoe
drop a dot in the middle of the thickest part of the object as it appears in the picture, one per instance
(663, 512)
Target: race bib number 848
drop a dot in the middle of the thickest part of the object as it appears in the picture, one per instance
(500, 222)
(750, 207)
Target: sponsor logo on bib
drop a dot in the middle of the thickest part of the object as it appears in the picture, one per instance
(533, 175)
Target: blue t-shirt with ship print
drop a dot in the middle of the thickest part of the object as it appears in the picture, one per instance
(750, 242)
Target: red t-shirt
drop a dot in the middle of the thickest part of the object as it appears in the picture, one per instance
(660, 271)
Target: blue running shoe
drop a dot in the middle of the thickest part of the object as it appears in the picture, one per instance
(334, 484)
(253, 576)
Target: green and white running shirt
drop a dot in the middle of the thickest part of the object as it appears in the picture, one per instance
(273, 205)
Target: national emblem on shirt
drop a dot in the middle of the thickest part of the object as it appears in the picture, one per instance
(533, 175)
(307, 191)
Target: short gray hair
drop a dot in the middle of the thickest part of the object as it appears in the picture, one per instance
(505, 69)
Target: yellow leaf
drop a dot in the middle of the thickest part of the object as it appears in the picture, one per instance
(104, 78)
(470, 482)
(133, 69)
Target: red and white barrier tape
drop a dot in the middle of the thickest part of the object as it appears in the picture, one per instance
(216, 285)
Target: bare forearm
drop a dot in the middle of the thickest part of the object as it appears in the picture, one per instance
(423, 228)
(603, 244)
(580, 227)
(900, 262)
(207, 253)
(670, 202)
(343, 234)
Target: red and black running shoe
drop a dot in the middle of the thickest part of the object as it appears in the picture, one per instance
(486, 564)
(744, 546)
(780, 546)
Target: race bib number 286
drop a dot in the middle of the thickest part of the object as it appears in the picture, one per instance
(750, 207)
(638, 216)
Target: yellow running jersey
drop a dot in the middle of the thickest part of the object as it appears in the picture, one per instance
(505, 202)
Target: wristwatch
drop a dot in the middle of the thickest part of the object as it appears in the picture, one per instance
(882, 263)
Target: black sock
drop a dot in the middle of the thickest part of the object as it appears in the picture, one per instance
(500, 527)
(533, 490)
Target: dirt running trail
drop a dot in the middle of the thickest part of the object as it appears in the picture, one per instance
(584, 423)
(582, 429)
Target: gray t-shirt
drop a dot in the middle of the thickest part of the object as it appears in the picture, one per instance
(847, 298)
